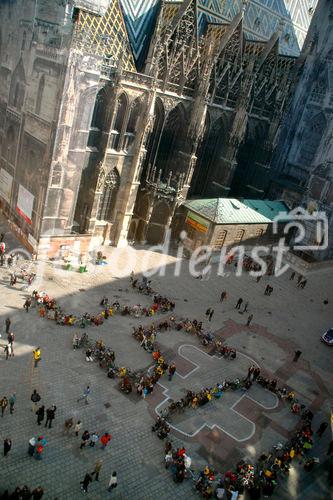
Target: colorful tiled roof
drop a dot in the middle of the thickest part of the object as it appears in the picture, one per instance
(233, 211)
(261, 20)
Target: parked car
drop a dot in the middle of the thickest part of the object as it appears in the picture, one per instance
(327, 337)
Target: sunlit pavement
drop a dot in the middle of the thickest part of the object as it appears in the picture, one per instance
(288, 319)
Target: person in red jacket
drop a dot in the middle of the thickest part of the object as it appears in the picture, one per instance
(105, 440)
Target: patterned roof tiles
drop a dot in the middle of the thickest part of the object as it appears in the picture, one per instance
(261, 20)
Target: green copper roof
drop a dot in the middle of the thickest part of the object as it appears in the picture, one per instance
(233, 211)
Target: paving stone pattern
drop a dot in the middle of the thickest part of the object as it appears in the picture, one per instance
(288, 319)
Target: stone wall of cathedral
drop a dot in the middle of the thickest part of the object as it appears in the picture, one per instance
(32, 61)
(303, 161)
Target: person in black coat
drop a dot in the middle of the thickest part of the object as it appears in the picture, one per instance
(50, 415)
(7, 444)
(40, 414)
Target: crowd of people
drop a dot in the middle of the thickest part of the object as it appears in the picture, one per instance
(23, 493)
(147, 335)
(259, 478)
(48, 307)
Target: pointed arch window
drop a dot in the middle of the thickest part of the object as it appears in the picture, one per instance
(109, 196)
(10, 150)
(116, 132)
(56, 178)
(17, 88)
(131, 125)
(40, 92)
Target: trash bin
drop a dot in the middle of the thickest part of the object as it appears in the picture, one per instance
(69, 266)
(82, 269)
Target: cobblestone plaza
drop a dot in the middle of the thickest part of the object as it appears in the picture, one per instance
(240, 425)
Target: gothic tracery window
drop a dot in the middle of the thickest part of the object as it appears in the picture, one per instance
(131, 125)
(311, 139)
(109, 195)
(116, 138)
(17, 88)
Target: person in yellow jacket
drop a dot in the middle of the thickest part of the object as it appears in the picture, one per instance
(37, 356)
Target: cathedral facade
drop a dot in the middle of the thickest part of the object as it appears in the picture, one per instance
(302, 166)
(113, 112)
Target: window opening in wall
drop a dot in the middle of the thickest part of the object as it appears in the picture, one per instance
(239, 235)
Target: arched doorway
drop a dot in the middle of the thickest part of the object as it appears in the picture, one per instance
(158, 222)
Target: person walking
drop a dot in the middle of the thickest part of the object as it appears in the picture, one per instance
(93, 439)
(297, 355)
(12, 401)
(37, 356)
(292, 276)
(40, 414)
(113, 481)
(10, 338)
(8, 351)
(7, 444)
(211, 315)
(249, 319)
(207, 313)
(322, 428)
(245, 307)
(50, 415)
(84, 439)
(239, 302)
(3, 405)
(27, 304)
(8, 323)
(105, 439)
(97, 469)
(31, 446)
(35, 398)
(85, 483)
(68, 425)
(171, 370)
(77, 427)
(223, 296)
(85, 395)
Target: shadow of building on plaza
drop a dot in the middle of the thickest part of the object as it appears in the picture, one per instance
(31, 330)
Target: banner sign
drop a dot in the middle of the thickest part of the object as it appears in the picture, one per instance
(25, 203)
(6, 182)
(197, 222)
